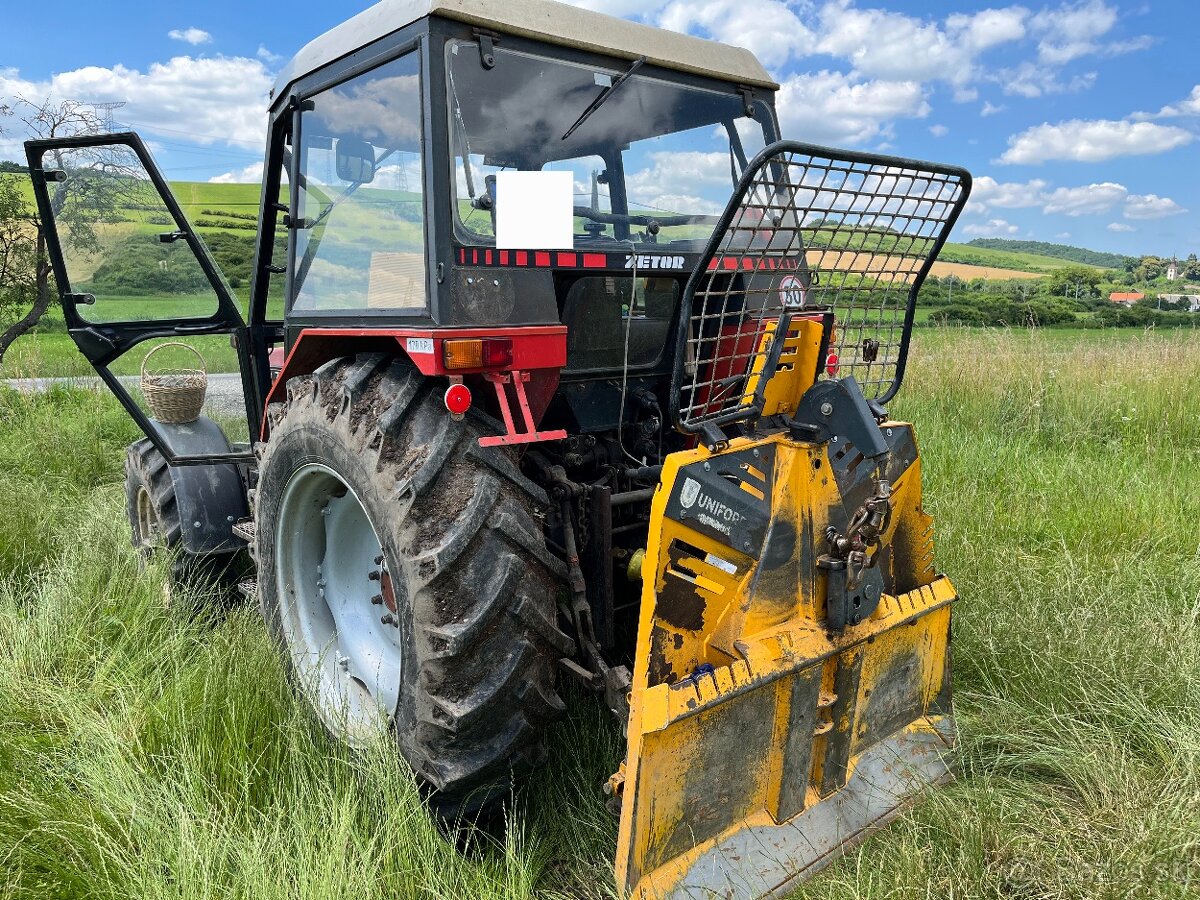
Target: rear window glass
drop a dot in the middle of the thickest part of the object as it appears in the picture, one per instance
(601, 323)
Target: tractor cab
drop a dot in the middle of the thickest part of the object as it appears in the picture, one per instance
(415, 148)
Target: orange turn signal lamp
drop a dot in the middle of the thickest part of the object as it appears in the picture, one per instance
(477, 353)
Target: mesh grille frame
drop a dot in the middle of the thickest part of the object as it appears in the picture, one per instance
(851, 233)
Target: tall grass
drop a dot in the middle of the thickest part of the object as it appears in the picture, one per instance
(149, 752)
(1062, 473)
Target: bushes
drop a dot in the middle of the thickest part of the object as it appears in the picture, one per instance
(139, 266)
(992, 310)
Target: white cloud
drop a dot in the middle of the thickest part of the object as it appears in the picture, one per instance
(252, 174)
(218, 100)
(671, 180)
(1082, 140)
(991, 109)
(771, 29)
(939, 130)
(1188, 107)
(1031, 79)
(1086, 200)
(266, 55)
(992, 228)
(1070, 31)
(1120, 227)
(893, 46)
(1083, 200)
(1151, 206)
(989, 27)
(1074, 30)
(1063, 236)
(988, 193)
(193, 36)
(832, 107)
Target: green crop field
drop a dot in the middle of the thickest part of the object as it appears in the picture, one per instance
(155, 752)
(1003, 259)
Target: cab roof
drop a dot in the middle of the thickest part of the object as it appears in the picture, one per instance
(545, 20)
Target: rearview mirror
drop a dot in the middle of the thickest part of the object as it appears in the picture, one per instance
(355, 161)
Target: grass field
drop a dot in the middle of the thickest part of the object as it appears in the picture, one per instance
(146, 752)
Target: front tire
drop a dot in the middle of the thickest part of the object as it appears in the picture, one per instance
(404, 574)
(155, 527)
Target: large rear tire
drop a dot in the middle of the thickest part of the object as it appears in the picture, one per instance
(404, 574)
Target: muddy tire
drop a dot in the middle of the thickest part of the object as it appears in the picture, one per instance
(155, 527)
(435, 613)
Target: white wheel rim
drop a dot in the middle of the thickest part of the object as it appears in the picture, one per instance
(343, 643)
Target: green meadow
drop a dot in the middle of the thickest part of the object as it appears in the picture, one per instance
(154, 751)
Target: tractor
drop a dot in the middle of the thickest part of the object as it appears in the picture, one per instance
(558, 364)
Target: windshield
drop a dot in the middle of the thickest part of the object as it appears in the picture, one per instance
(652, 162)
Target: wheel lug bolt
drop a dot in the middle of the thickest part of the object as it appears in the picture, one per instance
(373, 576)
(379, 560)
(377, 599)
(389, 619)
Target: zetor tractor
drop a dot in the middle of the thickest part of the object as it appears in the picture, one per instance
(559, 365)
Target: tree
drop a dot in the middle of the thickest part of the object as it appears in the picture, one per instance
(1075, 282)
(99, 182)
(19, 246)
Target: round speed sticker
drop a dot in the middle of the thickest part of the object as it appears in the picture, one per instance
(791, 292)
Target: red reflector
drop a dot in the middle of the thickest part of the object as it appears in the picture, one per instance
(497, 352)
(458, 399)
(831, 365)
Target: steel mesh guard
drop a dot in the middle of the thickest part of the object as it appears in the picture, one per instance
(811, 229)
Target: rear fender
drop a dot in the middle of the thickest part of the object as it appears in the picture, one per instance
(540, 351)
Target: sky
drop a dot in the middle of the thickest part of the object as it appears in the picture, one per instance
(1079, 120)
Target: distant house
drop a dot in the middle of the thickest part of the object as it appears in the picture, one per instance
(1172, 269)
(1128, 299)
(1193, 300)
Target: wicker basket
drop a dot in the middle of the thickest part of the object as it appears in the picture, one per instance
(175, 396)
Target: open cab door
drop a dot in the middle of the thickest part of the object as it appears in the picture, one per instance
(133, 273)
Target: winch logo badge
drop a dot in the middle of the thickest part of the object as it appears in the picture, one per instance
(711, 512)
(687, 496)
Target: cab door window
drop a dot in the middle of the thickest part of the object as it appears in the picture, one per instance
(360, 216)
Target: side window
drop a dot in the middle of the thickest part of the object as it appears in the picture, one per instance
(604, 330)
(360, 235)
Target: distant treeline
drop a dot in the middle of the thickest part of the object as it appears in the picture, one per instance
(1058, 251)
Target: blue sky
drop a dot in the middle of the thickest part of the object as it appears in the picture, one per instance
(1079, 120)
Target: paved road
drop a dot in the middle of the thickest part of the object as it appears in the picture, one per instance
(224, 396)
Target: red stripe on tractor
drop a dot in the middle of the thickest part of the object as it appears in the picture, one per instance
(522, 258)
(487, 257)
(504, 257)
(541, 259)
(568, 260)
(595, 261)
